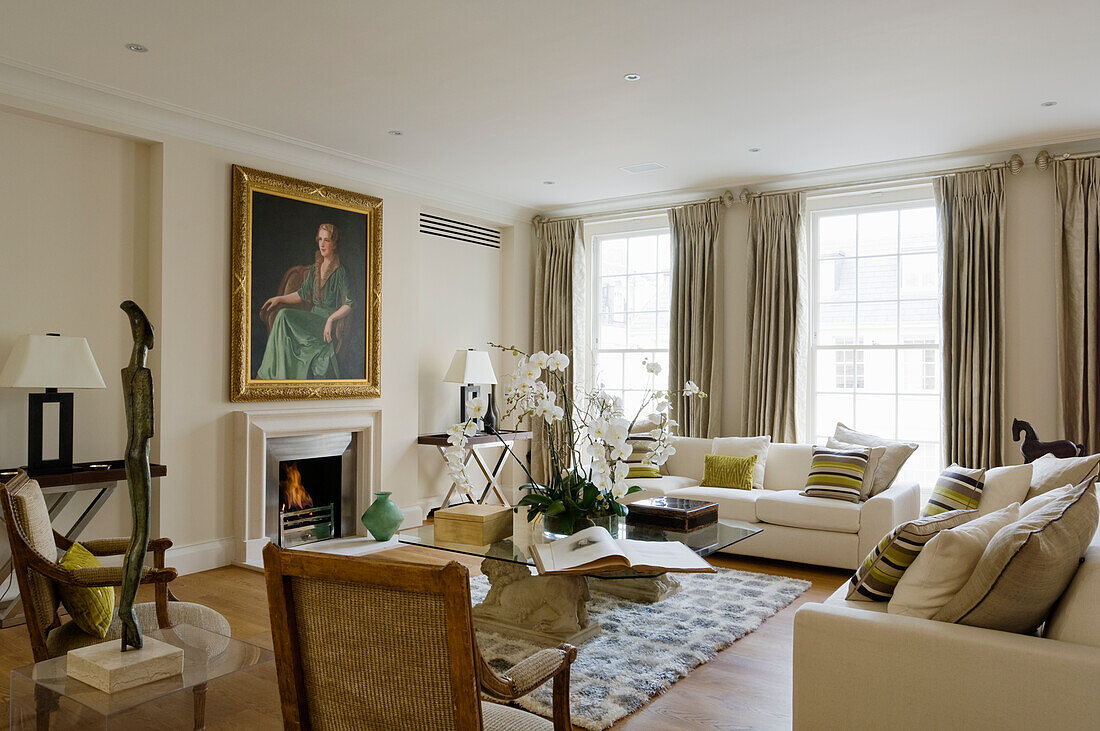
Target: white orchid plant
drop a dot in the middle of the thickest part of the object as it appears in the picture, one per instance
(587, 436)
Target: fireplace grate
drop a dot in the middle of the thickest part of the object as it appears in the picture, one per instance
(308, 525)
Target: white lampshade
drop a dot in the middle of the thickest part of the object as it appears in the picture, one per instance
(51, 361)
(470, 366)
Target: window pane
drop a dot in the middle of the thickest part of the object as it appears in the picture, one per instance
(878, 323)
(660, 382)
(876, 415)
(642, 258)
(920, 274)
(923, 465)
(613, 294)
(919, 418)
(613, 330)
(632, 401)
(643, 292)
(836, 236)
(662, 330)
(836, 280)
(918, 229)
(919, 370)
(642, 332)
(664, 291)
(664, 253)
(612, 257)
(609, 370)
(878, 278)
(920, 321)
(634, 373)
(836, 324)
(877, 370)
(878, 233)
(835, 370)
(831, 408)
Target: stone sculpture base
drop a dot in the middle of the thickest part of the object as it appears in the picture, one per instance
(106, 667)
(642, 589)
(546, 609)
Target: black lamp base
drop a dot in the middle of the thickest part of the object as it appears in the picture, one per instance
(64, 462)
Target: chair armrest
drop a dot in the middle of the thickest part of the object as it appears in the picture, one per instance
(891, 507)
(528, 674)
(113, 575)
(110, 546)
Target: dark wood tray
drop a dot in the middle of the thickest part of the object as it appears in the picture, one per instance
(673, 513)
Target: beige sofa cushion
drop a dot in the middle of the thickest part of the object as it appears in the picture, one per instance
(745, 447)
(689, 457)
(732, 504)
(1004, 486)
(1027, 566)
(1075, 617)
(788, 466)
(662, 485)
(1050, 472)
(800, 511)
(890, 463)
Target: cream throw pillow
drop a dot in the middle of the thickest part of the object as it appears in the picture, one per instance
(1041, 501)
(945, 564)
(1004, 486)
(1050, 472)
(1027, 566)
(746, 447)
(890, 463)
(872, 464)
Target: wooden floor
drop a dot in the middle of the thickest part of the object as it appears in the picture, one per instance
(748, 686)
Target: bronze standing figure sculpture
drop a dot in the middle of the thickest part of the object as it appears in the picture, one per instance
(137, 390)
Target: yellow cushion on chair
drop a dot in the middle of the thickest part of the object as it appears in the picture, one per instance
(90, 607)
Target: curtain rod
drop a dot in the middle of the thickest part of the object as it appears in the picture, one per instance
(727, 199)
(1044, 159)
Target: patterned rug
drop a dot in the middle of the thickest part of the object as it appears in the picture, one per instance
(645, 648)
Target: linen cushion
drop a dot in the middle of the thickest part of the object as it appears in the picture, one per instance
(872, 464)
(1074, 618)
(661, 485)
(837, 473)
(886, 563)
(643, 470)
(688, 459)
(958, 488)
(732, 504)
(746, 447)
(1027, 566)
(790, 508)
(722, 471)
(90, 607)
(1050, 472)
(1041, 501)
(33, 517)
(896, 454)
(788, 465)
(497, 717)
(1004, 486)
(945, 563)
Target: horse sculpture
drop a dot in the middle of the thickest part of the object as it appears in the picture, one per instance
(1033, 449)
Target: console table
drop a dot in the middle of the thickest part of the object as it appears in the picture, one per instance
(474, 444)
(98, 478)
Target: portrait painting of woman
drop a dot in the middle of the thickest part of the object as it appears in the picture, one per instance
(308, 323)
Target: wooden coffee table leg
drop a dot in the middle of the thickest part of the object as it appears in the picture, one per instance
(546, 609)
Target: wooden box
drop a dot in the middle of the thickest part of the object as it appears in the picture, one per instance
(672, 513)
(472, 524)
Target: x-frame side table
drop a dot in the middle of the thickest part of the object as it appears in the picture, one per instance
(474, 445)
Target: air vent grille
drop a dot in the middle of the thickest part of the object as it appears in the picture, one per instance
(448, 228)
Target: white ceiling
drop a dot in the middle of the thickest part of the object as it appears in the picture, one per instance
(499, 95)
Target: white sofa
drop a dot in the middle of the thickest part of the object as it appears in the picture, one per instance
(857, 666)
(811, 530)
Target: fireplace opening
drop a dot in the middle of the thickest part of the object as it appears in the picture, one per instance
(309, 500)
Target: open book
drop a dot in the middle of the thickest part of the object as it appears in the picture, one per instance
(593, 550)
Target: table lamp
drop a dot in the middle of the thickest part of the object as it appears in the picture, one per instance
(50, 362)
(473, 369)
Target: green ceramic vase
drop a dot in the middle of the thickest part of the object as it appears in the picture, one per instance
(383, 517)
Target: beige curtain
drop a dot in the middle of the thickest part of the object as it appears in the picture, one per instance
(1077, 185)
(776, 284)
(558, 250)
(695, 340)
(971, 211)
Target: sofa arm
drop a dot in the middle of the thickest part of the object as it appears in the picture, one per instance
(894, 505)
(904, 672)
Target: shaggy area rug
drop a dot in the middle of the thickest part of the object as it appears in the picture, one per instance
(645, 648)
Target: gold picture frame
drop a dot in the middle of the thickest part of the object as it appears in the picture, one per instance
(331, 348)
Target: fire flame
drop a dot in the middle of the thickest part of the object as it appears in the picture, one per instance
(295, 494)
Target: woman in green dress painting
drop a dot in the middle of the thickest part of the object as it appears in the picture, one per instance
(301, 345)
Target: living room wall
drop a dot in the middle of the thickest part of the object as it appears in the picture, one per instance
(160, 235)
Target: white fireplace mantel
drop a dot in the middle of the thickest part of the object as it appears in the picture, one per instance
(254, 428)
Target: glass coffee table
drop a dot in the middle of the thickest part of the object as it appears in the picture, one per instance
(553, 609)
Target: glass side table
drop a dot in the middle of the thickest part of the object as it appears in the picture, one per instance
(43, 696)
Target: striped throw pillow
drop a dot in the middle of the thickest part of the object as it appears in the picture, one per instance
(881, 571)
(837, 473)
(721, 470)
(959, 488)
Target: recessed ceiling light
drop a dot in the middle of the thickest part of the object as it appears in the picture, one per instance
(1049, 104)
(754, 149)
(632, 77)
(137, 47)
(396, 132)
(548, 182)
(876, 194)
(645, 167)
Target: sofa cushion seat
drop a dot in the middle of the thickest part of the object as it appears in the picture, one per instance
(732, 504)
(662, 485)
(786, 507)
(839, 598)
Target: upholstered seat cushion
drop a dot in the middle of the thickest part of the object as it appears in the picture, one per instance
(732, 504)
(495, 717)
(69, 637)
(662, 485)
(793, 509)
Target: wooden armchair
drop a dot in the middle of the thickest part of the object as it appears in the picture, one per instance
(292, 282)
(34, 547)
(371, 643)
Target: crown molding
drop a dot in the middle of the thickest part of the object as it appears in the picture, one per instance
(51, 94)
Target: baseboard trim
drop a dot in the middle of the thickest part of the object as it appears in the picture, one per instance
(201, 556)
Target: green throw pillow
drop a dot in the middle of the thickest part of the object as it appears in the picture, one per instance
(725, 471)
(91, 608)
(643, 470)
